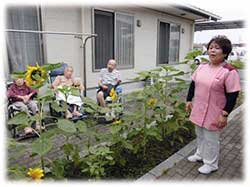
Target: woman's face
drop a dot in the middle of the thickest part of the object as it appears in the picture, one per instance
(19, 81)
(215, 53)
(68, 72)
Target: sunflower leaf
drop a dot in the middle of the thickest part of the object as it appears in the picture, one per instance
(16, 75)
(66, 125)
(49, 67)
(19, 119)
(41, 146)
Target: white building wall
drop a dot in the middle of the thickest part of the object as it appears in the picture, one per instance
(75, 19)
(63, 48)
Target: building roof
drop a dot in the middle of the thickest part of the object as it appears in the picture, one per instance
(187, 11)
(236, 24)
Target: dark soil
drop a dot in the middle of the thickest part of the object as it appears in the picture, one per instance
(156, 152)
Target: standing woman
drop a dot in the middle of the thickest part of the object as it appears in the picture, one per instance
(214, 90)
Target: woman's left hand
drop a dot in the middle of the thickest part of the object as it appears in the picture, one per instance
(222, 122)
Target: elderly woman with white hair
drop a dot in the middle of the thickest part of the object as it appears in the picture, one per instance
(75, 102)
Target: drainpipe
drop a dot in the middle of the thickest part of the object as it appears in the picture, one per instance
(84, 41)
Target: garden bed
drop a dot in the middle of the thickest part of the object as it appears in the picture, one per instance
(157, 152)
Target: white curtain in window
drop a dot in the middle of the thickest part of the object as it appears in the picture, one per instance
(174, 43)
(23, 48)
(124, 43)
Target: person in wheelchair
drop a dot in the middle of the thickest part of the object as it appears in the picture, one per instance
(20, 97)
(109, 78)
(74, 102)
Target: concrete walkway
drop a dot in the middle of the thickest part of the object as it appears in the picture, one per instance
(230, 161)
(177, 167)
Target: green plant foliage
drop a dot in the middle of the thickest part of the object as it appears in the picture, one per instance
(41, 146)
(66, 125)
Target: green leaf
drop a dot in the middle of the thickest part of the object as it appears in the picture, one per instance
(115, 129)
(49, 94)
(36, 76)
(57, 107)
(68, 149)
(154, 133)
(178, 74)
(127, 145)
(204, 59)
(19, 119)
(184, 62)
(193, 66)
(104, 110)
(57, 169)
(17, 172)
(179, 79)
(180, 139)
(191, 55)
(237, 64)
(90, 102)
(49, 67)
(75, 91)
(81, 126)
(16, 75)
(41, 146)
(89, 110)
(66, 125)
(109, 157)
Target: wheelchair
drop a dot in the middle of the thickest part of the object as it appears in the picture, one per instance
(110, 116)
(52, 76)
(12, 111)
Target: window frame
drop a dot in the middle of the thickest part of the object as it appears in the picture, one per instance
(93, 41)
(158, 41)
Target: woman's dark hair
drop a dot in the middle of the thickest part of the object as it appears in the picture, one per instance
(224, 43)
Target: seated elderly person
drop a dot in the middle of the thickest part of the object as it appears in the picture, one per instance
(109, 78)
(20, 94)
(74, 101)
(21, 97)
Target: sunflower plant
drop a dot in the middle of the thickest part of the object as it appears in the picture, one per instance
(163, 112)
(36, 76)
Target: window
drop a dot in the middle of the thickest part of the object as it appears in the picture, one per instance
(115, 39)
(104, 42)
(168, 43)
(174, 43)
(23, 48)
(124, 40)
(164, 35)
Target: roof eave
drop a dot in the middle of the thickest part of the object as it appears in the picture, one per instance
(198, 11)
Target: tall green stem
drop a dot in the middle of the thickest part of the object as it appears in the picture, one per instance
(42, 163)
(144, 128)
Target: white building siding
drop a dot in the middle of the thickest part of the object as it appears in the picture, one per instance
(62, 48)
(74, 19)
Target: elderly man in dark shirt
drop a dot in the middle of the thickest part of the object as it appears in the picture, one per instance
(21, 96)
